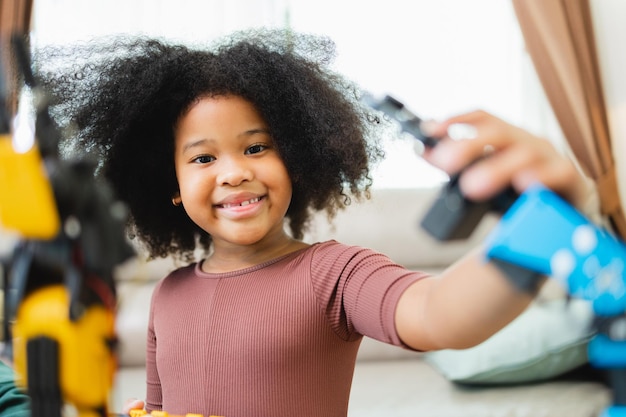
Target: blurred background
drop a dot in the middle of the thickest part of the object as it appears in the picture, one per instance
(438, 57)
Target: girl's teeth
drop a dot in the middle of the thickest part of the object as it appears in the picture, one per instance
(243, 203)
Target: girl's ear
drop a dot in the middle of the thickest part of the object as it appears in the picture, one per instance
(176, 200)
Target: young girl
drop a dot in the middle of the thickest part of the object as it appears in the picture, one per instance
(218, 149)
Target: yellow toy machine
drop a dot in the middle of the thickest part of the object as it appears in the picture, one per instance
(59, 291)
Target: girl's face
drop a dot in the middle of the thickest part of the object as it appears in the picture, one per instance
(232, 181)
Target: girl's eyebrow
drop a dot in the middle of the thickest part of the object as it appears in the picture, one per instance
(195, 143)
(203, 141)
(255, 131)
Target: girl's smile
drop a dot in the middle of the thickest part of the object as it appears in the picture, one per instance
(239, 207)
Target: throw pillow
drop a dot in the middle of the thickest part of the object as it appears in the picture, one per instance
(547, 340)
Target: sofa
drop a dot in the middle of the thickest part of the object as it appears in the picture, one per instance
(536, 366)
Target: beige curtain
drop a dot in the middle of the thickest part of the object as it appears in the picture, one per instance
(15, 17)
(560, 40)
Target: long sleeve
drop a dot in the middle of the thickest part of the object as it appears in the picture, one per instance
(13, 401)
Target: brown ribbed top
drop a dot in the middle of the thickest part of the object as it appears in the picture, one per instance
(277, 339)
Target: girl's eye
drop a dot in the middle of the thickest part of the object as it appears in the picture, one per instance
(259, 147)
(203, 159)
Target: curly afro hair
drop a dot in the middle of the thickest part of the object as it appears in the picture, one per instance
(122, 99)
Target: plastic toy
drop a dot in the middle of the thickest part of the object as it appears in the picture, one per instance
(588, 261)
(58, 282)
(452, 216)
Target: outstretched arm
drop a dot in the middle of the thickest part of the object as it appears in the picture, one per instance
(472, 299)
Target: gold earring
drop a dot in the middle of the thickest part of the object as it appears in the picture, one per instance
(176, 200)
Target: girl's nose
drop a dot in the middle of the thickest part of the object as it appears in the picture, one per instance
(233, 171)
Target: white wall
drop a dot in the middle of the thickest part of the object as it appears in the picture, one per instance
(610, 34)
(440, 57)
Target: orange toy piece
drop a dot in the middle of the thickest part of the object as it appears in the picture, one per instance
(159, 413)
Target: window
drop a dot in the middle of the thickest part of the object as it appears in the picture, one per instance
(438, 57)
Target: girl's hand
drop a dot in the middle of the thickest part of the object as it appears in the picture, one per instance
(132, 404)
(516, 157)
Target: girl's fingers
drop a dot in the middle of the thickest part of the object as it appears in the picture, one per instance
(491, 134)
(501, 155)
(517, 165)
(132, 404)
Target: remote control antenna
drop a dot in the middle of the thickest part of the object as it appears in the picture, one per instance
(408, 121)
